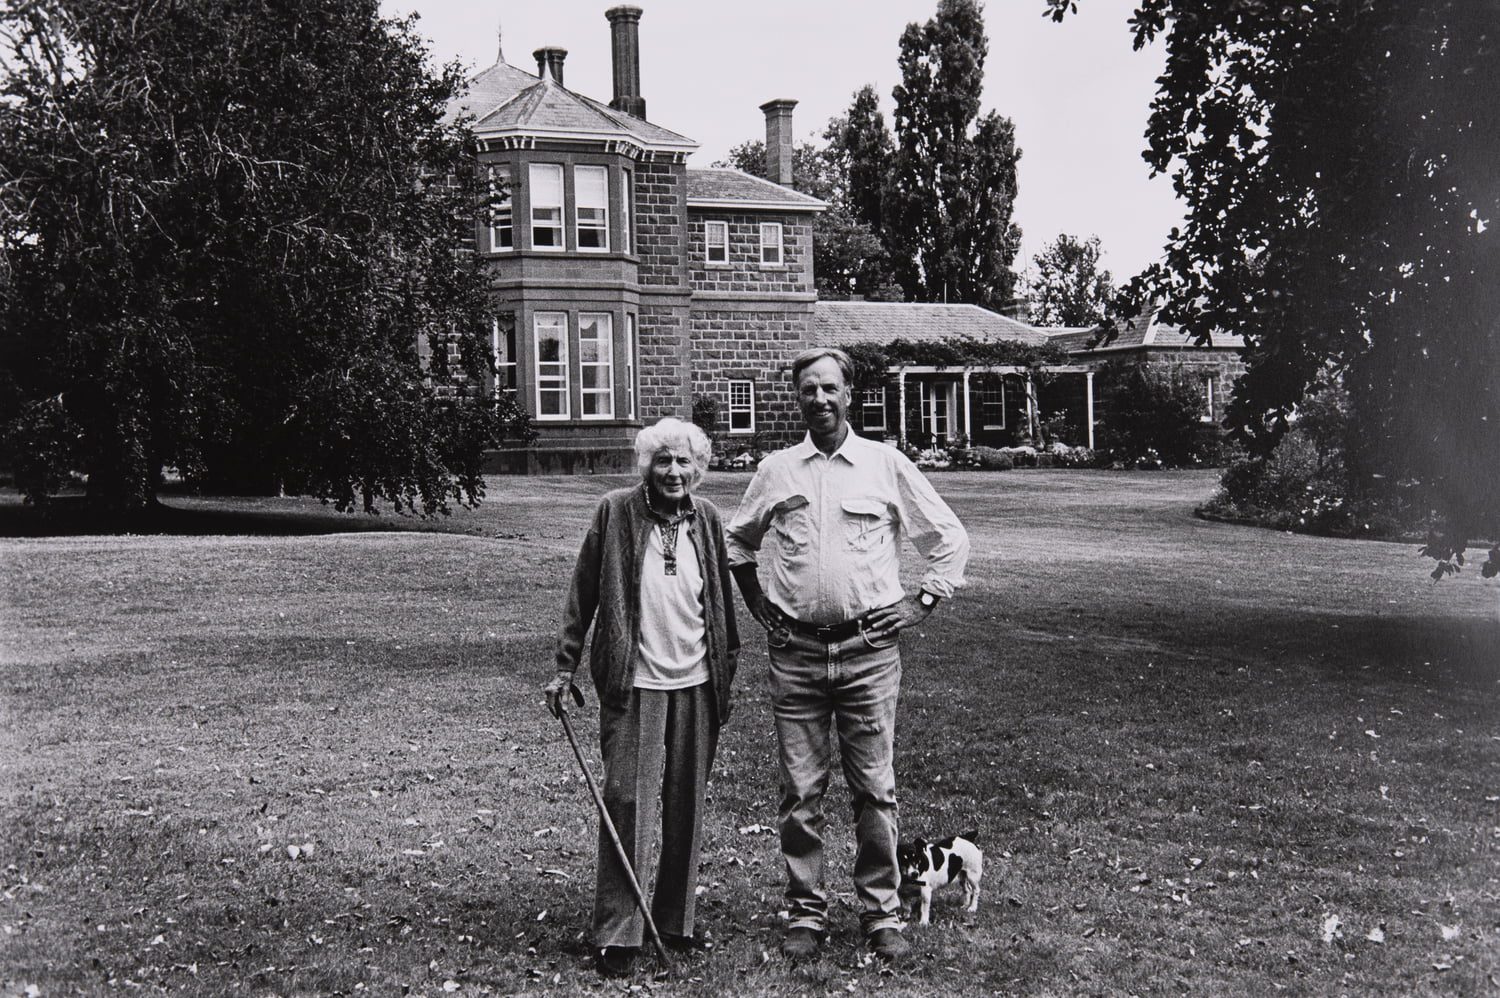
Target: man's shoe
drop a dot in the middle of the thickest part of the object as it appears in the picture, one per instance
(685, 944)
(614, 961)
(889, 945)
(801, 943)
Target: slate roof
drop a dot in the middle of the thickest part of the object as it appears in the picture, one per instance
(1141, 333)
(839, 323)
(507, 100)
(722, 187)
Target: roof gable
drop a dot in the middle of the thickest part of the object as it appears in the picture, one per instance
(509, 101)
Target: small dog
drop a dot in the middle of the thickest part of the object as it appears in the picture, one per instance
(927, 866)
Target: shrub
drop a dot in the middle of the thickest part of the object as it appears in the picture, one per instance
(1154, 416)
(991, 459)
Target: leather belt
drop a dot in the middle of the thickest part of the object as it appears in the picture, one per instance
(827, 633)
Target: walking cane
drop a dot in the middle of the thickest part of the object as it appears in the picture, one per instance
(609, 826)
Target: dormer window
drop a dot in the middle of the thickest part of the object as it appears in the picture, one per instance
(591, 195)
(716, 243)
(546, 206)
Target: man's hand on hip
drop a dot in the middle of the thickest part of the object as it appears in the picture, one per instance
(889, 621)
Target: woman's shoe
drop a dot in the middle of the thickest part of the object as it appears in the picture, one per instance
(614, 961)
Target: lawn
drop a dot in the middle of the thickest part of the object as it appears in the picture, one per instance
(1201, 758)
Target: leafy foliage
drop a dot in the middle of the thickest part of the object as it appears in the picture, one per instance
(225, 228)
(1337, 161)
(1068, 287)
(872, 360)
(952, 186)
(1154, 414)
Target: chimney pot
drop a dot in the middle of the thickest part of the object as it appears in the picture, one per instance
(779, 140)
(625, 50)
(549, 62)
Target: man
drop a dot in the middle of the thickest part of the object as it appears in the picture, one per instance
(836, 506)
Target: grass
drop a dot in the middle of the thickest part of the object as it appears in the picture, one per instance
(1187, 748)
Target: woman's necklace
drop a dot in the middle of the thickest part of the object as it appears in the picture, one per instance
(668, 531)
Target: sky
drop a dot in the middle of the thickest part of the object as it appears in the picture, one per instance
(1077, 92)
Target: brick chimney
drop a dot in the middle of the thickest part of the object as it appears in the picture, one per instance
(625, 47)
(779, 140)
(549, 62)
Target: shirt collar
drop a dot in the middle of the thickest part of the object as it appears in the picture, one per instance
(848, 450)
(687, 513)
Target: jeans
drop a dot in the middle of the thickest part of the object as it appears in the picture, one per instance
(854, 684)
(661, 746)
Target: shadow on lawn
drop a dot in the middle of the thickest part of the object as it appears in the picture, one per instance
(72, 516)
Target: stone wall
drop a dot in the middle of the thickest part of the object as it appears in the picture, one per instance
(746, 343)
(660, 222)
(744, 272)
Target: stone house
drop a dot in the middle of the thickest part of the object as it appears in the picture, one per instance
(623, 281)
(1216, 364)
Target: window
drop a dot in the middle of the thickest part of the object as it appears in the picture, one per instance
(1208, 399)
(872, 408)
(551, 332)
(591, 208)
(503, 350)
(716, 243)
(501, 220)
(546, 206)
(770, 244)
(631, 365)
(992, 405)
(742, 407)
(596, 364)
(626, 197)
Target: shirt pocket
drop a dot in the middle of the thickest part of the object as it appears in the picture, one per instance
(793, 524)
(868, 523)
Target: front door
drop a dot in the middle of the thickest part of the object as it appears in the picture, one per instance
(937, 401)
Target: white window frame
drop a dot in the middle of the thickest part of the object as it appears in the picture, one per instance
(708, 242)
(604, 366)
(554, 223)
(866, 403)
(744, 407)
(627, 195)
(556, 380)
(511, 365)
(599, 202)
(773, 243)
(983, 405)
(632, 364)
(503, 209)
(1208, 399)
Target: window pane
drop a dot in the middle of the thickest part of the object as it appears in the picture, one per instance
(503, 347)
(770, 242)
(546, 205)
(626, 196)
(717, 238)
(596, 363)
(592, 187)
(631, 389)
(502, 223)
(741, 406)
(551, 364)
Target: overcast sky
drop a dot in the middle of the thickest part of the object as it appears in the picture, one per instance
(1077, 92)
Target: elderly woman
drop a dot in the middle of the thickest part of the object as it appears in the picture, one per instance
(653, 578)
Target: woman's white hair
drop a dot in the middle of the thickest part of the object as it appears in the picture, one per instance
(672, 432)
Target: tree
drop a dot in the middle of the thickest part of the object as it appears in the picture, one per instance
(848, 257)
(948, 201)
(1069, 288)
(1337, 161)
(223, 228)
(860, 150)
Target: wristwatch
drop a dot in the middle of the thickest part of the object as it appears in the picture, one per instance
(927, 600)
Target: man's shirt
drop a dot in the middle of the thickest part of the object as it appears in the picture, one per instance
(837, 522)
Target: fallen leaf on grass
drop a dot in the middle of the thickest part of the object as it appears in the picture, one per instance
(1450, 932)
(1331, 930)
(756, 829)
(1371, 733)
(450, 985)
(1442, 966)
(541, 915)
(1376, 935)
(557, 873)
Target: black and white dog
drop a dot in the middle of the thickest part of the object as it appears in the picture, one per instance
(926, 866)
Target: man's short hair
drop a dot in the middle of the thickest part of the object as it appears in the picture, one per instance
(808, 358)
